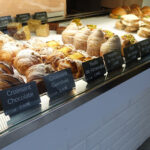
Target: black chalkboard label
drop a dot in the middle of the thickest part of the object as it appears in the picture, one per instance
(19, 98)
(113, 60)
(144, 47)
(4, 21)
(59, 83)
(23, 18)
(41, 16)
(131, 53)
(93, 69)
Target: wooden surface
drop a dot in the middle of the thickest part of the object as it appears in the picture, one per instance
(13, 7)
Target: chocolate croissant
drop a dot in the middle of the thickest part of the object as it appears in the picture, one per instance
(25, 59)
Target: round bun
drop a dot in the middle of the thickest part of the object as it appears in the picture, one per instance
(127, 8)
(137, 11)
(118, 12)
(135, 6)
(146, 11)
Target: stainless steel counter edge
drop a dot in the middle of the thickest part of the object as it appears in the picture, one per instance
(37, 122)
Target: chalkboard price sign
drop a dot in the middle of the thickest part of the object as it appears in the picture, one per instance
(41, 16)
(93, 69)
(144, 47)
(113, 60)
(4, 21)
(19, 98)
(23, 18)
(131, 53)
(59, 83)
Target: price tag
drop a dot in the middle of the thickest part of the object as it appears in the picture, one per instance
(113, 60)
(23, 18)
(144, 47)
(93, 69)
(4, 21)
(41, 16)
(59, 83)
(19, 98)
(131, 53)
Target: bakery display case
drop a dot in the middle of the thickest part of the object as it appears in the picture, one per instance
(48, 69)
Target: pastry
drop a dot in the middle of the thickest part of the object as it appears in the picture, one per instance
(66, 50)
(23, 34)
(25, 59)
(42, 30)
(37, 72)
(13, 27)
(69, 33)
(1, 44)
(135, 6)
(92, 27)
(53, 25)
(127, 40)
(74, 65)
(77, 22)
(60, 30)
(127, 8)
(137, 11)
(33, 24)
(53, 44)
(80, 39)
(112, 44)
(94, 42)
(6, 68)
(119, 25)
(54, 58)
(118, 12)
(146, 11)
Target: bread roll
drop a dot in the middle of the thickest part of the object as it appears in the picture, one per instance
(112, 44)
(69, 33)
(94, 42)
(80, 39)
(118, 12)
(119, 25)
(25, 59)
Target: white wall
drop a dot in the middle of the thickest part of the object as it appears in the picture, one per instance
(146, 2)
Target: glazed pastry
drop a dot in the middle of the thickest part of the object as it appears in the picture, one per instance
(5, 68)
(25, 59)
(94, 42)
(74, 65)
(69, 33)
(77, 22)
(54, 58)
(23, 34)
(127, 40)
(146, 11)
(53, 44)
(42, 30)
(108, 34)
(137, 11)
(37, 72)
(80, 39)
(92, 27)
(77, 56)
(13, 27)
(112, 44)
(66, 50)
(33, 24)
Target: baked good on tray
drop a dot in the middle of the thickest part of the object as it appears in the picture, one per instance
(23, 34)
(116, 13)
(80, 38)
(69, 33)
(94, 42)
(25, 59)
(33, 24)
(5, 68)
(13, 27)
(42, 30)
(108, 34)
(112, 44)
(144, 30)
(146, 11)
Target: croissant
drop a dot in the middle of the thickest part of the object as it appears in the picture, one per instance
(112, 44)
(25, 59)
(80, 39)
(75, 66)
(54, 58)
(69, 33)
(5, 68)
(94, 42)
(37, 72)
